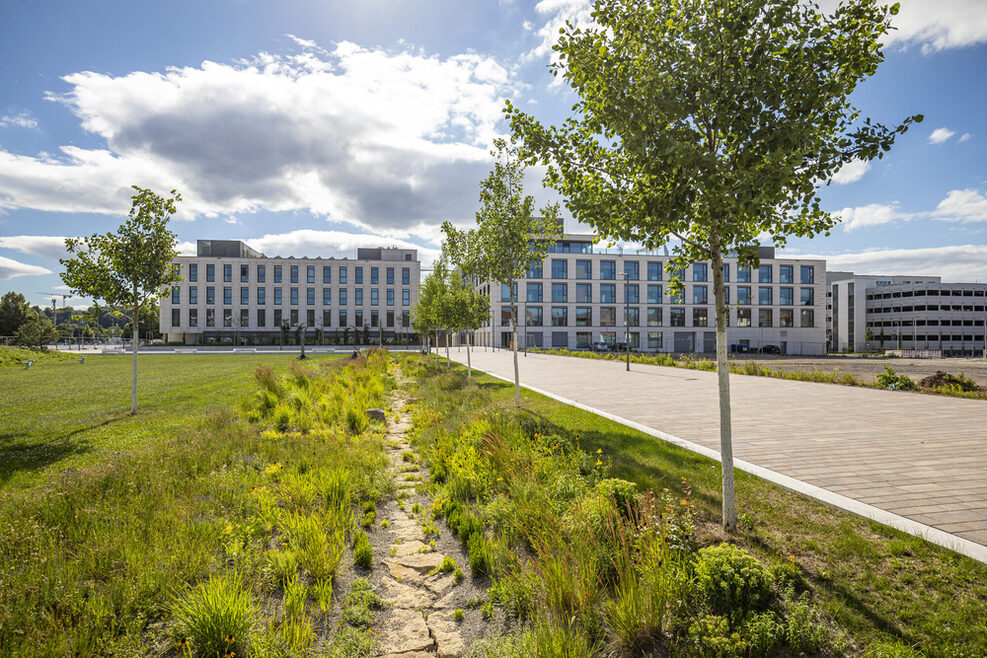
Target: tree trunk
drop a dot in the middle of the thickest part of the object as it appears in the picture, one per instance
(448, 360)
(436, 332)
(517, 377)
(133, 389)
(723, 378)
(469, 363)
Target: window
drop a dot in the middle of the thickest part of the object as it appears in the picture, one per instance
(244, 295)
(261, 296)
(210, 317)
(210, 272)
(261, 317)
(676, 318)
(786, 296)
(505, 292)
(533, 292)
(390, 315)
(608, 316)
(193, 317)
(342, 318)
(326, 318)
(608, 293)
(227, 273)
(699, 272)
(632, 269)
(654, 270)
(700, 294)
(533, 316)
(654, 340)
(244, 318)
(583, 339)
(294, 274)
(294, 296)
(342, 296)
(743, 317)
(244, 274)
(405, 297)
(358, 297)
(807, 274)
(584, 316)
(764, 295)
(374, 276)
(261, 274)
(505, 315)
(277, 274)
(277, 295)
(726, 294)
(785, 274)
(358, 274)
(193, 272)
(176, 317)
(390, 296)
(176, 295)
(560, 316)
(227, 294)
(278, 318)
(764, 273)
(608, 270)
(310, 274)
(405, 319)
(560, 293)
(535, 271)
(743, 295)
(654, 317)
(389, 272)
(634, 340)
(808, 297)
(744, 274)
(633, 316)
(326, 296)
(342, 274)
(326, 275)
(786, 317)
(808, 318)
(632, 293)
(679, 297)
(560, 339)
(210, 295)
(405, 276)
(294, 317)
(227, 317)
(654, 294)
(609, 337)
(560, 268)
(310, 296)
(764, 317)
(726, 272)
(375, 296)
(193, 294)
(700, 317)
(584, 269)
(374, 318)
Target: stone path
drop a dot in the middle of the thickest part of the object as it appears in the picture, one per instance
(922, 457)
(421, 615)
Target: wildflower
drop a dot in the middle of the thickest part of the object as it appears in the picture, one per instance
(599, 451)
(229, 639)
(684, 502)
(500, 479)
(791, 558)
(599, 463)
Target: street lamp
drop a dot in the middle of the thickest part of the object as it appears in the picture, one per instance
(627, 329)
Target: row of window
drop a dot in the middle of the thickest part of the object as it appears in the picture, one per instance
(260, 296)
(928, 323)
(935, 338)
(928, 293)
(260, 275)
(969, 308)
(535, 293)
(701, 317)
(700, 271)
(242, 320)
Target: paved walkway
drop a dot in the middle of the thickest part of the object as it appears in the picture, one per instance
(922, 457)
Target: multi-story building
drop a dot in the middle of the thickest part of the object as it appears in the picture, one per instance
(846, 307)
(231, 293)
(581, 294)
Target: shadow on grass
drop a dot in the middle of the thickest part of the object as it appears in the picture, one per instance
(17, 455)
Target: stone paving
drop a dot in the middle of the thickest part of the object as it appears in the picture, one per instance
(923, 457)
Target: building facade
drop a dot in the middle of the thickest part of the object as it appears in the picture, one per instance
(580, 295)
(230, 293)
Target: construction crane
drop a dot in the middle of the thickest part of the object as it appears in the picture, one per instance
(54, 295)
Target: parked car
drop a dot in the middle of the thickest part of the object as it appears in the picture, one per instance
(740, 349)
(620, 347)
(770, 349)
(600, 346)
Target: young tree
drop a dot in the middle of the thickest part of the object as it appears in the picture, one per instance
(36, 332)
(14, 311)
(130, 268)
(712, 123)
(470, 309)
(509, 237)
(428, 313)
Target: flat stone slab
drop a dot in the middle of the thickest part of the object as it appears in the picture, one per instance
(402, 573)
(440, 583)
(448, 641)
(399, 595)
(405, 631)
(422, 562)
(409, 548)
(450, 600)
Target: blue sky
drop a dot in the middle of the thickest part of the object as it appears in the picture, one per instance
(312, 128)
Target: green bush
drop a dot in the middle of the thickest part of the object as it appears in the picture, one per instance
(710, 637)
(804, 632)
(480, 555)
(360, 604)
(622, 492)
(216, 617)
(731, 581)
(363, 552)
(892, 381)
(788, 576)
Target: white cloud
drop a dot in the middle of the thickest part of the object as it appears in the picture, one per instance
(851, 172)
(940, 135)
(966, 137)
(20, 120)
(962, 206)
(555, 14)
(955, 263)
(380, 139)
(46, 246)
(10, 268)
(873, 214)
(331, 244)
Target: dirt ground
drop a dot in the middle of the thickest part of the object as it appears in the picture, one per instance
(868, 368)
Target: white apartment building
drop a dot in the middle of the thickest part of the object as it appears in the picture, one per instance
(231, 293)
(581, 294)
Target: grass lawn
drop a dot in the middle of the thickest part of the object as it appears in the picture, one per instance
(872, 581)
(65, 414)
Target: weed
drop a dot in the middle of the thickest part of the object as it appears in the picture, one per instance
(408, 456)
(731, 581)
(891, 649)
(429, 531)
(892, 381)
(487, 610)
(360, 604)
(458, 575)
(363, 553)
(385, 524)
(216, 617)
(322, 590)
(457, 614)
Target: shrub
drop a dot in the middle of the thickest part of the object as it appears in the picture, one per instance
(892, 381)
(363, 552)
(359, 604)
(804, 632)
(458, 575)
(765, 633)
(710, 637)
(622, 492)
(216, 617)
(480, 558)
(457, 614)
(731, 581)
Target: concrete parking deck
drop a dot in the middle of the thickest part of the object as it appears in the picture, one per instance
(921, 457)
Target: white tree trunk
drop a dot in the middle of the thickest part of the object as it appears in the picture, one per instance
(133, 389)
(469, 363)
(517, 377)
(723, 379)
(448, 360)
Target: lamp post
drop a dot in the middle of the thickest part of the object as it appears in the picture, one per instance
(627, 329)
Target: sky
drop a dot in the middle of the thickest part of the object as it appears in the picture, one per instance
(313, 128)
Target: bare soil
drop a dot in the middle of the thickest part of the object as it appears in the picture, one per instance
(867, 368)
